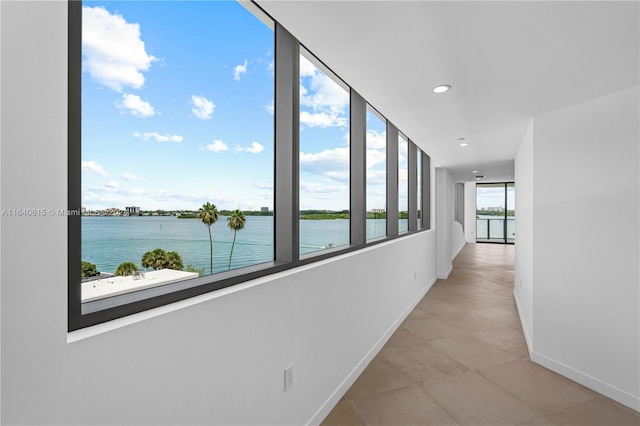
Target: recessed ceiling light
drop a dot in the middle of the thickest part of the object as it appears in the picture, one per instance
(460, 139)
(441, 88)
(475, 171)
(464, 144)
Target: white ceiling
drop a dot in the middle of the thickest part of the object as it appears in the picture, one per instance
(508, 61)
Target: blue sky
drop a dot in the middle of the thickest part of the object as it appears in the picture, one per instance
(178, 110)
(177, 106)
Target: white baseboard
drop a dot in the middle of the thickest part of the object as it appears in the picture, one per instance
(584, 379)
(446, 274)
(528, 337)
(335, 397)
(599, 386)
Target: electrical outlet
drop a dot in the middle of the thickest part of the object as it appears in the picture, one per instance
(288, 377)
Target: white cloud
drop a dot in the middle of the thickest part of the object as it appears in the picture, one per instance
(324, 93)
(376, 177)
(94, 168)
(317, 188)
(270, 108)
(325, 100)
(114, 53)
(307, 69)
(114, 188)
(322, 119)
(333, 163)
(217, 146)
(402, 161)
(263, 185)
(375, 157)
(342, 175)
(376, 140)
(158, 137)
(136, 106)
(403, 175)
(403, 146)
(137, 191)
(255, 148)
(202, 107)
(130, 177)
(239, 70)
(333, 156)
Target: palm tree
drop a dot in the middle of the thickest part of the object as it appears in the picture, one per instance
(208, 214)
(236, 223)
(155, 259)
(174, 261)
(126, 268)
(160, 259)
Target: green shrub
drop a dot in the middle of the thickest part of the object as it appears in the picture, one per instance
(88, 270)
(160, 259)
(191, 268)
(126, 268)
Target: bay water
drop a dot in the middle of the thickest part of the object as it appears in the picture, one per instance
(109, 241)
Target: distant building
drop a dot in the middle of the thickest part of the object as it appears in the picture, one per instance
(132, 210)
(264, 209)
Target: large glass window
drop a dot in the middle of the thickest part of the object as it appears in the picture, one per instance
(173, 108)
(177, 142)
(324, 158)
(403, 183)
(376, 158)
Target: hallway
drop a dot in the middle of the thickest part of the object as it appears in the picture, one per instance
(461, 358)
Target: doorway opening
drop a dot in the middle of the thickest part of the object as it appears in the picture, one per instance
(495, 213)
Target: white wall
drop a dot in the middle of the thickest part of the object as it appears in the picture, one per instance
(523, 278)
(457, 238)
(444, 221)
(470, 201)
(218, 358)
(0, 220)
(585, 243)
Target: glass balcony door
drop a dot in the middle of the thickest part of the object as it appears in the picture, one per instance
(495, 213)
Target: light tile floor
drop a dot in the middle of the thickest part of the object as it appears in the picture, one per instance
(460, 358)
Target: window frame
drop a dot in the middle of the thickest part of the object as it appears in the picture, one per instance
(286, 186)
(320, 65)
(376, 113)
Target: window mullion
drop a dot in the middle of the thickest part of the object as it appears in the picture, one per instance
(413, 187)
(286, 107)
(426, 191)
(358, 170)
(392, 180)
